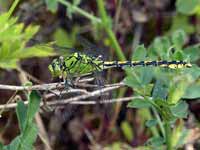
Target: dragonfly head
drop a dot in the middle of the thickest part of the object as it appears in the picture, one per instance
(55, 67)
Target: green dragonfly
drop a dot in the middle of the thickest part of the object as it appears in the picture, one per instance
(78, 64)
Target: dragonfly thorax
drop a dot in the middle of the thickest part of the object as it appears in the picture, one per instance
(75, 64)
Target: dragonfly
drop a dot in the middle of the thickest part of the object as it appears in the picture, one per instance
(78, 64)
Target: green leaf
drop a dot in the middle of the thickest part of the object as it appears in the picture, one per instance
(127, 130)
(139, 79)
(21, 114)
(146, 75)
(29, 32)
(52, 5)
(178, 55)
(161, 46)
(187, 6)
(182, 139)
(76, 2)
(132, 80)
(180, 110)
(36, 51)
(8, 64)
(139, 53)
(28, 137)
(139, 103)
(13, 39)
(151, 123)
(177, 89)
(192, 92)
(156, 141)
(160, 90)
(1, 146)
(179, 39)
(182, 22)
(64, 38)
(14, 144)
(192, 52)
(33, 105)
(164, 109)
(194, 72)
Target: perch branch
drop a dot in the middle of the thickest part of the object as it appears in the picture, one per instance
(40, 87)
(124, 99)
(73, 100)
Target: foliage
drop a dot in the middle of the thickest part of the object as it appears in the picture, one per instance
(164, 91)
(188, 7)
(28, 128)
(65, 39)
(127, 130)
(13, 39)
(52, 5)
(171, 86)
(182, 22)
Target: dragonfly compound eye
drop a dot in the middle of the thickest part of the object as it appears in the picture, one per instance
(54, 68)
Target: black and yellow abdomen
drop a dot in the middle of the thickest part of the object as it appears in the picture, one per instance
(168, 64)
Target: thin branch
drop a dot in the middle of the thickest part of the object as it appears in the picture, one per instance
(27, 88)
(73, 99)
(48, 86)
(124, 99)
(40, 87)
(58, 93)
(84, 96)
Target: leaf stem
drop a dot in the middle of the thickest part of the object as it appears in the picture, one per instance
(159, 121)
(106, 25)
(81, 11)
(168, 135)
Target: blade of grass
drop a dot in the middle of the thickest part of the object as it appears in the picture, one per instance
(14, 5)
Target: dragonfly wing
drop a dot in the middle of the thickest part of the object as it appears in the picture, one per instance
(103, 107)
(92, 49)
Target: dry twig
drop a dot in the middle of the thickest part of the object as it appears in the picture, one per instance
(73, 100)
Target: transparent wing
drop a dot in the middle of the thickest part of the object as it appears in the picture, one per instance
(92, 49)
(103, 107)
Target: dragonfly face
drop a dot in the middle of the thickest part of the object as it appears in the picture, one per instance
(56, 67)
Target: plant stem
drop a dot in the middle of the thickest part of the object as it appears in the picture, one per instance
(168, 135)
(80, 11)
(107, 26)
(159, 121)
(14, 5)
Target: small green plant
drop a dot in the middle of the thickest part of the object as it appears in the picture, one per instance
(188, 7)
(166, 95)
(13, 39)
(28, 128)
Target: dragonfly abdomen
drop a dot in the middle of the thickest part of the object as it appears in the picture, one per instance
(168, 64)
